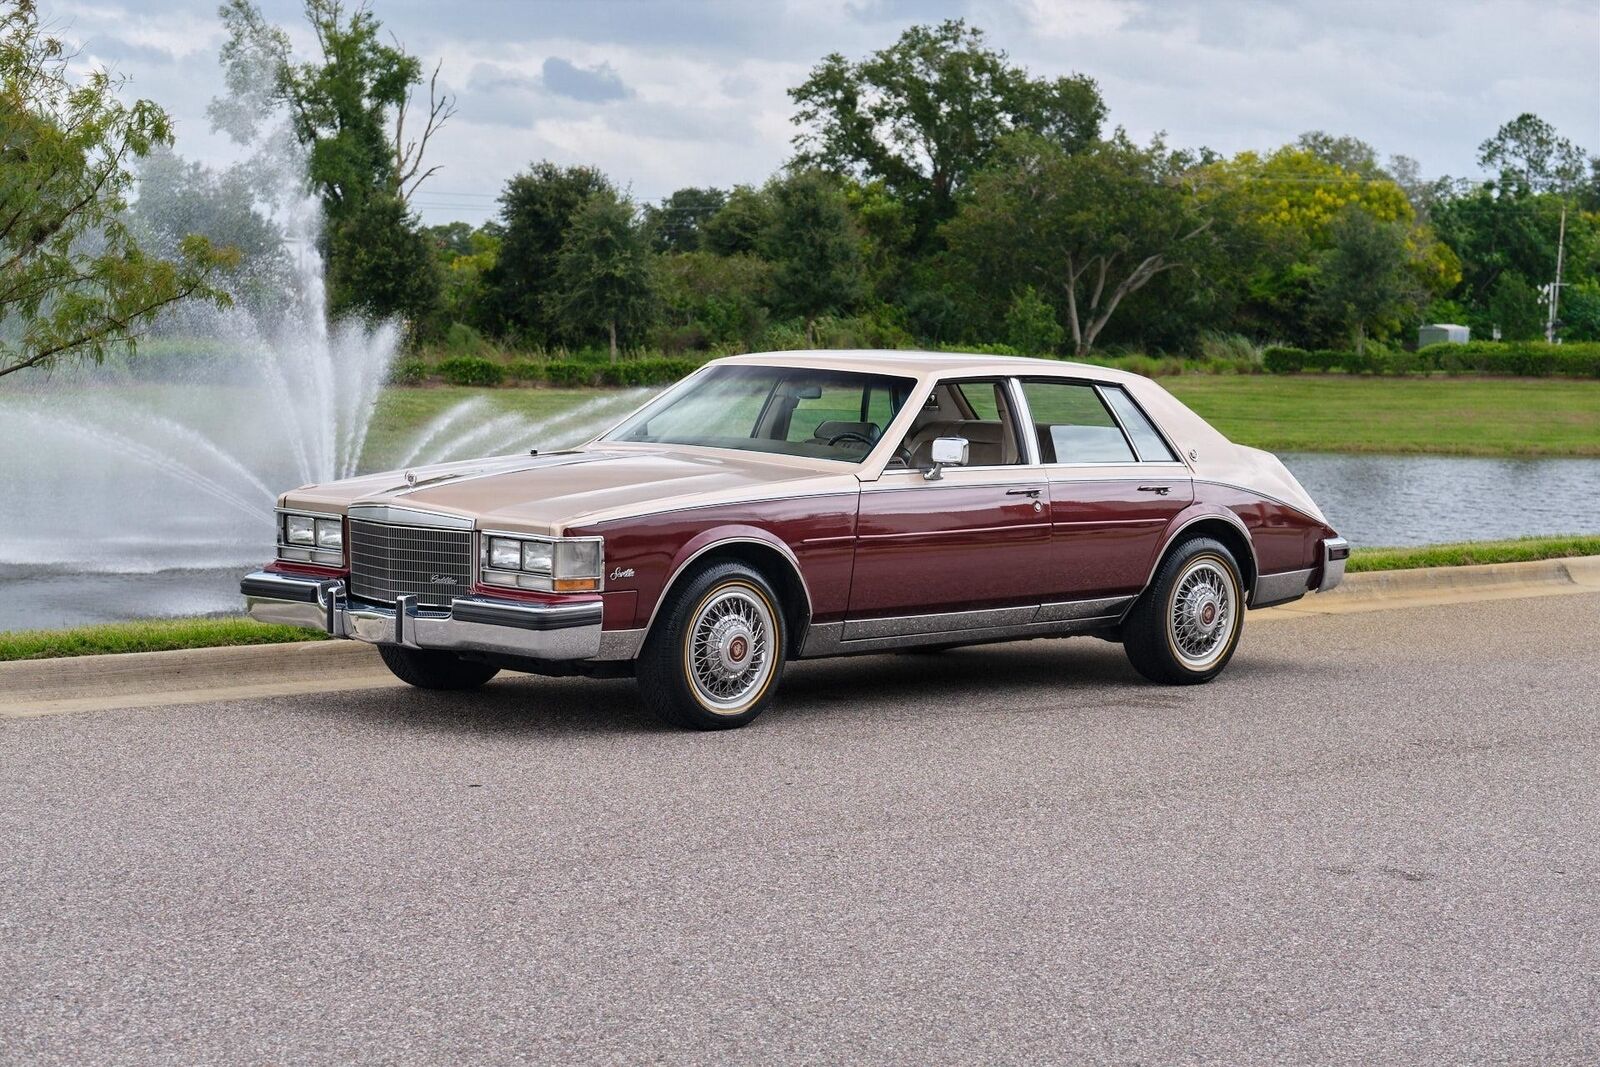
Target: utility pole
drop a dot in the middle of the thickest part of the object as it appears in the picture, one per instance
(1555, 290)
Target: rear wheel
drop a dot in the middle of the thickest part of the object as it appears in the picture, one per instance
(1186, 626)
(715, 655)
(427, 669)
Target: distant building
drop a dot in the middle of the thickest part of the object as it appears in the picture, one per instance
(1442, 333)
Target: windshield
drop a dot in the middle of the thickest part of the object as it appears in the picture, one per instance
(825, 414)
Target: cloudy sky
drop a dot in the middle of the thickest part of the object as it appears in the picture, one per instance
(665, 94)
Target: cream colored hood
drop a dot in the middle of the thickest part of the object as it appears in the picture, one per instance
(551, 493)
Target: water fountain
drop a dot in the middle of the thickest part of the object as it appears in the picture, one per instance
(143, 487)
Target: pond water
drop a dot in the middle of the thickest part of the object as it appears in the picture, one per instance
(1421, 500)
(1372, 500)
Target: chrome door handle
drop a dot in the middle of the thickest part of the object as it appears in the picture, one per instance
(1022, 492)
(1160, 490)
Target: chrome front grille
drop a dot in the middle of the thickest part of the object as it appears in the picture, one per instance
(387, 562)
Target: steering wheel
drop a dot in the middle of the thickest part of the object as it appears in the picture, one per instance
(851, 435)
(901, 453)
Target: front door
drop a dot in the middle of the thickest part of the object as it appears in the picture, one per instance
(969, 549)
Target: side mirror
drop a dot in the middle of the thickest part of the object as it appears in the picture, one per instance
(946, 452)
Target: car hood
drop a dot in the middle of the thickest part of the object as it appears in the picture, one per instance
(551, 493)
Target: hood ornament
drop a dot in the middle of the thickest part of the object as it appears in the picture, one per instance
(411, 478)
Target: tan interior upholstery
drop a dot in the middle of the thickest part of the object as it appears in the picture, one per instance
(989, 443)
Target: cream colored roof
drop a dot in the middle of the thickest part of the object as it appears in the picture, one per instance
(909, 362)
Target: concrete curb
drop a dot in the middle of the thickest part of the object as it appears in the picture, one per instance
(148, 679)
(1430, 586)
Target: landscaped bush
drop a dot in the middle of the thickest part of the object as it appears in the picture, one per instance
(636, 372)
(1519, 359)
(1282, 359)
(471, 370)
(410, 371)
(571, 373)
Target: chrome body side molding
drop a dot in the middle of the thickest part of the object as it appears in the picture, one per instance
(1062, 619)
(1281, 588)
(620, 644)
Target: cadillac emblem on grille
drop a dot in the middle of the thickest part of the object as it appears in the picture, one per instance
(388, 561)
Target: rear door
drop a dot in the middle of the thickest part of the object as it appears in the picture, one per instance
(1115, 485)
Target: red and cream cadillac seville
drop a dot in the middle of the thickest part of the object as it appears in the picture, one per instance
(795, 505)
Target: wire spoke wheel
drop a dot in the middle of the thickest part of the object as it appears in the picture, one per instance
(1202, 613)
(728, 653)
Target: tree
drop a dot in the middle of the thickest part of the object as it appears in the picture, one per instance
(1031, 325)
(1279, 212)
(465, 257)
(1528, 152)
(814, 248)
(178, 198)
(536, 209)
(1088, 229)
(1362, 282)
(74, 281)
(380, 264)
(738, 226)
(603, 275)
(1349, 154)
(677, 223)
(925, 114)
(350, 106)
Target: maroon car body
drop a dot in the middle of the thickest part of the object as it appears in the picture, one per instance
(866, 501)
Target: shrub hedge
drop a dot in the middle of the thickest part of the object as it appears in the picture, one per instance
(1518, 359)
(471, 370)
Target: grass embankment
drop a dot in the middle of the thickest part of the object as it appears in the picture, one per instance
(154, 635)
(1447, 416)
(1471, 553)
(166, 634)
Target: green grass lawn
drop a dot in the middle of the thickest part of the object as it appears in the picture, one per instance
(153, 635)
(1468, 553)
(405, 412)
(1455, 416)
(1298, 413)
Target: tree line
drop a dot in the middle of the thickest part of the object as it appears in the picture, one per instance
(938, 194)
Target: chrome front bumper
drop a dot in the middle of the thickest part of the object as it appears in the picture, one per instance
(1335, 554)
(472, 624)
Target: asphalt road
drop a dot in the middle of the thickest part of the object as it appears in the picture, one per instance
(1374, 840)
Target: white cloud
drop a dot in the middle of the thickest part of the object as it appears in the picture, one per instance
(694, 93)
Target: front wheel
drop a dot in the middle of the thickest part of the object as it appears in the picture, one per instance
(1185, 627)
(427, 669)
(715, 655)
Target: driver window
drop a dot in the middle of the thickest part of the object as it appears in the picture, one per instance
(976, 410)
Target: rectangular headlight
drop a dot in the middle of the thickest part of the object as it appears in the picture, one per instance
(536, 556)
(307, 537)
(505, 554)
(299, 530)
(330, 534)
(550, 564)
